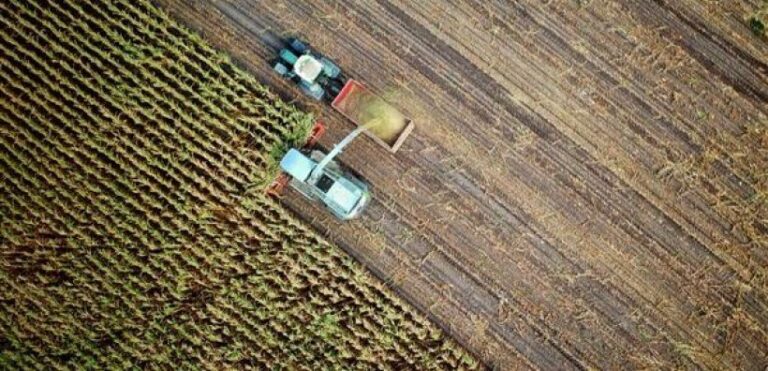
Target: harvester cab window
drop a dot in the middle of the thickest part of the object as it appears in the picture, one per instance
(325, 183)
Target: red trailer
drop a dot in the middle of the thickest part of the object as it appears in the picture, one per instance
(352, 101)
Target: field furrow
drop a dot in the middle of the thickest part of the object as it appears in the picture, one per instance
(585, 187)
(134, 232)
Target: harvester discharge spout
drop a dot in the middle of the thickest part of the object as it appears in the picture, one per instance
(337, 150)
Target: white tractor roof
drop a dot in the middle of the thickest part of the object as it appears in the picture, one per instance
(308, 68)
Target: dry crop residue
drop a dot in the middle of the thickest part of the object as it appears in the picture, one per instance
(133, 231)
(586, 188)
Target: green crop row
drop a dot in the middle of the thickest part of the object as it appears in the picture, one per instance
(133, 228)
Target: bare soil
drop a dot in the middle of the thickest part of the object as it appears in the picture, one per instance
(586, 184)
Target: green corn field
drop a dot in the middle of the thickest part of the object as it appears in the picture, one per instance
(134, 232)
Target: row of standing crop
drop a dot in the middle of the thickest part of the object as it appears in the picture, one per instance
(132, 235)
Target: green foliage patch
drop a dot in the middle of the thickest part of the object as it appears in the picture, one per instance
(133, 229)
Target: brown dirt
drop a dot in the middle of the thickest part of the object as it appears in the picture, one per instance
(585, 186)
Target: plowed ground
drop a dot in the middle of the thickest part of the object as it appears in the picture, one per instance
(586, 184)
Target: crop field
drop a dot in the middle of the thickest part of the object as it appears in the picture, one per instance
(134, 232)
(586, 183)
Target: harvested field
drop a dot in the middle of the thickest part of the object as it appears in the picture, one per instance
(134, 232)
(586, 185)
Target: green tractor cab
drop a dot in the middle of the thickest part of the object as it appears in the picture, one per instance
(316, 75)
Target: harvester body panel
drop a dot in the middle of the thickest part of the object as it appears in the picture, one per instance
(342, 193)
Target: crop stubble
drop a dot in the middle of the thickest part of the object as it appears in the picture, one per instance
(134, 231)
(588, 186)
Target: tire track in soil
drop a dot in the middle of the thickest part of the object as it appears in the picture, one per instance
(557, 171)
(468, 208)
(745, 73)
(468, 69)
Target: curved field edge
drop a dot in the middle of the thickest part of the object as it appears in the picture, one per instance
(133, 229)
